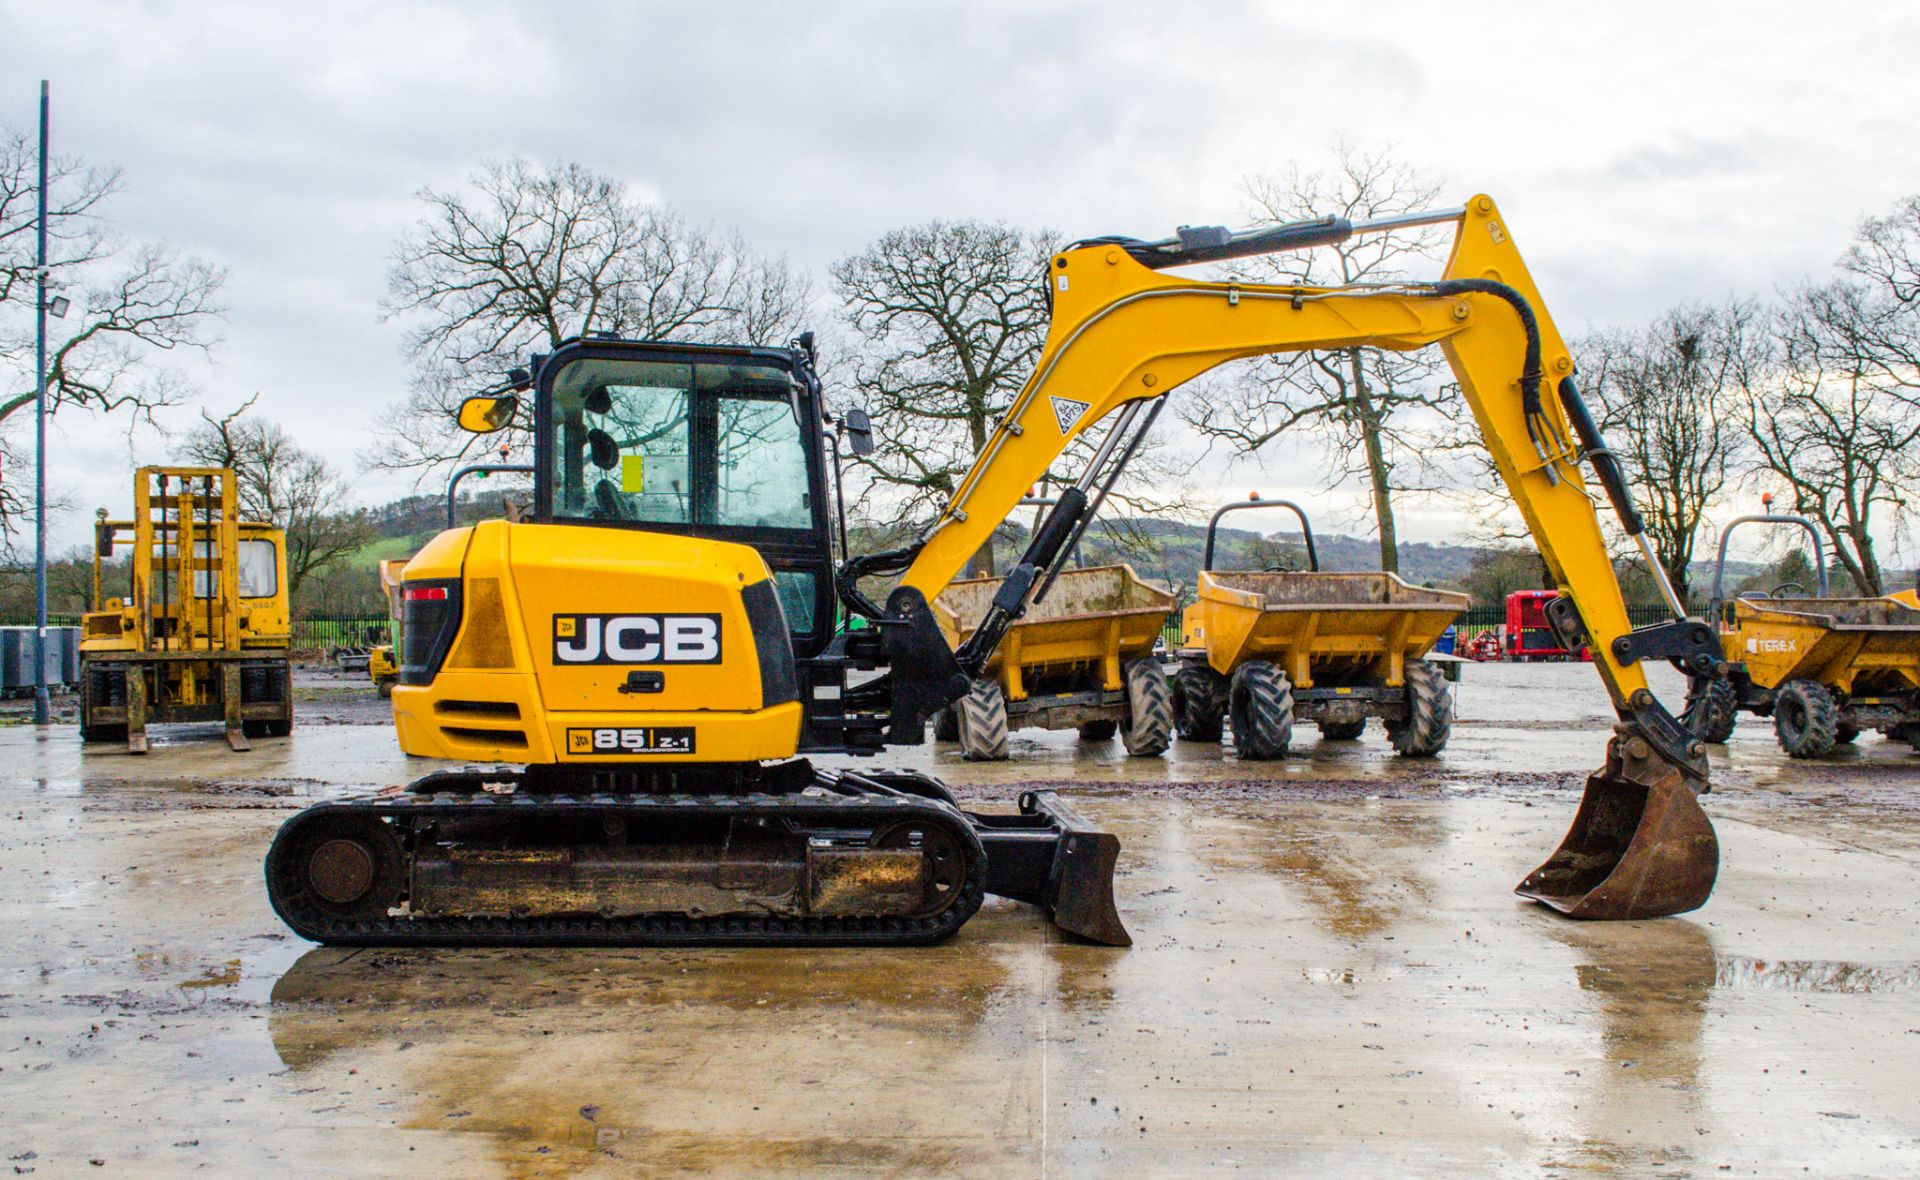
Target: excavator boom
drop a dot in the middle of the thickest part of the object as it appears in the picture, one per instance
(1124, 334)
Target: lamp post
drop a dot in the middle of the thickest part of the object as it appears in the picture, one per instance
(42, 706)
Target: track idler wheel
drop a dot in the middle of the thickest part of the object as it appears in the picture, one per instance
(944, 872)
(1640, 847)
(334, 865)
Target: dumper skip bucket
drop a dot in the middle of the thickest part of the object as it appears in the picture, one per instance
(1640, 847)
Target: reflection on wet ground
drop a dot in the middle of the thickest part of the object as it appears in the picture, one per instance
(1811, 975)
(1329, 974)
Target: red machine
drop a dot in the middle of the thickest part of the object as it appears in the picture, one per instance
(1528, 637)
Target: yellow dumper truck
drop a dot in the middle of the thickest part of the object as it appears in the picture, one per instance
(1265, 649)
(200, 631)
(1824, 668)
(382, 667)
(1081, 658)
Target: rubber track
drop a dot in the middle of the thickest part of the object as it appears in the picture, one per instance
(1149, 709)
(649, 930)
(1429, 713)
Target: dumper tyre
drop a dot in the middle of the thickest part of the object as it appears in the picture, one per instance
(385, 689)
(1806, 718)
(983, 722)
(1260, 701)
(1342, 731)
(1713, 707)
(946, 725)
(1199, 701)
(1099, 731)
(1429, 719)
(1149, 729)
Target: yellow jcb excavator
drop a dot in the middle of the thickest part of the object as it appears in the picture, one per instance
(651, 648)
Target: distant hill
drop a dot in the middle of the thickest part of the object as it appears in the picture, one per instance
(1179, 547)
(1166, 551)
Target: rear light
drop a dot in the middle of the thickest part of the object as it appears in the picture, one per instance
(429, 619)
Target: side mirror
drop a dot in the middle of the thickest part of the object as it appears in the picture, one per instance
(859, 431)
(485, 413)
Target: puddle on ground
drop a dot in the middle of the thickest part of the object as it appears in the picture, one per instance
(248, 978)
(1815, 975)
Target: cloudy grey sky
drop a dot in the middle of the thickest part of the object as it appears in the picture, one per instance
(1645, 153)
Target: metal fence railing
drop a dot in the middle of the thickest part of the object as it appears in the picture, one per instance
(318, 633)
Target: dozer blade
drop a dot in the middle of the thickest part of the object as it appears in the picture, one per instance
(1640, 847)
(1050, 856)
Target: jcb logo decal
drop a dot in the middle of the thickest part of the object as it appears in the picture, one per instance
(635, 739)
(636, 639)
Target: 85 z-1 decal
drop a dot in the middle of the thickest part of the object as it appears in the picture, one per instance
(636, 639)
(631, 739)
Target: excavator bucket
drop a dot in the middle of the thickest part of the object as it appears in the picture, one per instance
(1640, 847)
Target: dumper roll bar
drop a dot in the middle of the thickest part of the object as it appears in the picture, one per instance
(1726, 534)
(1306, 530)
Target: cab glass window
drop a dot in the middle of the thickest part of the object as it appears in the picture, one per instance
(798, 592)
(659, 442)
(259, 569)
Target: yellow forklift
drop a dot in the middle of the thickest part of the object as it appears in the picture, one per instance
(201, 632)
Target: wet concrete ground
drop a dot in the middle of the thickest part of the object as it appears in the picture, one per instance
(1329, 973)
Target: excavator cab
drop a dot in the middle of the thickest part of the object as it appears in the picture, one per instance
(720, 445)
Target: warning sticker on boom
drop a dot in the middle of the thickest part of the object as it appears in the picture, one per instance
(1067, 411)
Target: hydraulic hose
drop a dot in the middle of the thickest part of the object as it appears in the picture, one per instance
(891, 561)
(1540, 429)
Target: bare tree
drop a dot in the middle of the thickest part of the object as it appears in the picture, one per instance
(1834, 410)
(528, 257)
(1831, 425)
(951, 317)
(277, 480)
(1375, 410)
(128, 303)
(1669, 397)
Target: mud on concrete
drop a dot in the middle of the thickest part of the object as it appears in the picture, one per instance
(1329, 973)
